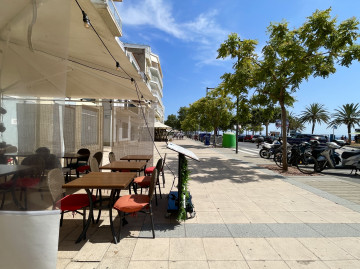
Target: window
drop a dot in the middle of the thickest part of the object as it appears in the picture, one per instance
(89, 126)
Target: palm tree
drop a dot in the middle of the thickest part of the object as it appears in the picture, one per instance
(315, 113)
(295, 123)
(348, 114)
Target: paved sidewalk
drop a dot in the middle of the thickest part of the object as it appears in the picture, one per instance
(246, 217)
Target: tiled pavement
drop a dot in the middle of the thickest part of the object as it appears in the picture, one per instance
(246, 217)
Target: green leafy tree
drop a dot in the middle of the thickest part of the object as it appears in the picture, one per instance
(237, 84)
(209, 114)
(182, 112)
(172, 121)
(314, 113)
(348, 114)
(313, 49)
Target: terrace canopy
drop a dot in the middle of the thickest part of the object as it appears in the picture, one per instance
(45, 51)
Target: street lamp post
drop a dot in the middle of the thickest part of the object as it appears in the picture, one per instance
(237, 125)
(207, 89)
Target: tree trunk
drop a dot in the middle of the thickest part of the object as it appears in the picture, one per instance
(284, 136)
(349, 134)
(267, 129)
(215, 134)
(313, 128)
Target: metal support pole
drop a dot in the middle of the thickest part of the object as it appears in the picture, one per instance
(237, 125)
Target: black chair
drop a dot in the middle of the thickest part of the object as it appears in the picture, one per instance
(80, 161)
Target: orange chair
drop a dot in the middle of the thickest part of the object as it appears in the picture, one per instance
(130, 204)
(66, 203)
(144, 181)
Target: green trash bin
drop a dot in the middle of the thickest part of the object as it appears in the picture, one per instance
(229, 140)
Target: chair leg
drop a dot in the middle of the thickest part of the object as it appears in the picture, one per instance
(152, 220)
(163, 179)
(156, 202)
(62, 218)
(159, 190)
(25, 198)
(84, 221)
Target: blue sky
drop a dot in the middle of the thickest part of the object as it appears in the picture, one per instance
(186, 35)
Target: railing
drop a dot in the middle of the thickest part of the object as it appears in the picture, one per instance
(115, 13)
(133, 60)
(157, 74)
(155, 81)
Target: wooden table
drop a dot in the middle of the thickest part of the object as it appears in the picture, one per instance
(99, 180)
(125, 165)
(16, 155)
(137, 158)
(6, 170)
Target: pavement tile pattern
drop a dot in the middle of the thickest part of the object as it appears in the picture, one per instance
(246, 217)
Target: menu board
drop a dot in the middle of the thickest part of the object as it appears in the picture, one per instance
(186, 152)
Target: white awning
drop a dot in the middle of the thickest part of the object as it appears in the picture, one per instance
(65, 59)
(161, 126)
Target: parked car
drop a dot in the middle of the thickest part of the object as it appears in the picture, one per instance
(269, 139)
(241, 138)
(300, 138)
(248, 138)
(253, 139)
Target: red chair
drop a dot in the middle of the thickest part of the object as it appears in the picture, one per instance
(66, 203)
(149, 170)
(145, 181)
(131, 204)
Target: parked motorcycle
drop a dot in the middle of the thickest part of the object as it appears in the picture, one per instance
(268, 149)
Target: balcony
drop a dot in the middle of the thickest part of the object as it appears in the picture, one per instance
(155, 73)
(155, 85)
(110, 15)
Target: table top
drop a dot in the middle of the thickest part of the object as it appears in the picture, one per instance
(6, 170)
(137, 157)
(19, 154)
(100, 180)
(124, 165)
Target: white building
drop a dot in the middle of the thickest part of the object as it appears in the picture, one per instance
(150, 69)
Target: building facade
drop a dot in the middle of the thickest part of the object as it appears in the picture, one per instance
(150, 70)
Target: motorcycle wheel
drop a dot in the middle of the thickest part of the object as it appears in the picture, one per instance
(320, 166)
(307, 164)
(264, 153)
(278, 159)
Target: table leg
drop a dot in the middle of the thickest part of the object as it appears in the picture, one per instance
(112, 196)
(91, 207)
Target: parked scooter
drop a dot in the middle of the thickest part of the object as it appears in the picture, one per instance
(268, 149)
(326, 156)
(351, 159)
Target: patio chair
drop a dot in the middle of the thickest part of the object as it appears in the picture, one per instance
(149, 170)
(66, 203)
(32, 177)
(131, 204)
(81, 164)
(145, 181)
(98, 156)
(112, 157)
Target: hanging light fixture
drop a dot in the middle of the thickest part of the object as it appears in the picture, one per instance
(86, 19)
(117, 66)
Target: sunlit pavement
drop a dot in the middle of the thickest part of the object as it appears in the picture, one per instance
(246, 217)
